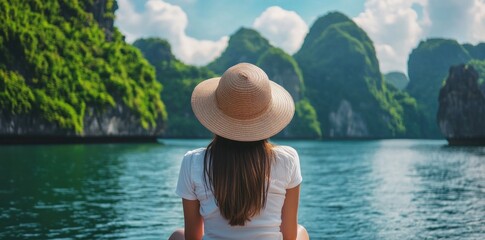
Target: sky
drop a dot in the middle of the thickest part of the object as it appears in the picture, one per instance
(199, 30)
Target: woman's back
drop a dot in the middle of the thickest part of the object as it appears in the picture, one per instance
(241, 186)
(285, 174)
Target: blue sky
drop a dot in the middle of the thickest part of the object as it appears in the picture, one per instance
(198, 30)
(208, 14)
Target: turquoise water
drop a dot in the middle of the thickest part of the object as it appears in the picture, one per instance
(389, 189)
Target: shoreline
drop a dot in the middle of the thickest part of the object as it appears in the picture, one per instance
(46, 139)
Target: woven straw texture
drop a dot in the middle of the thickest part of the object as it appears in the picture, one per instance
(243, 104)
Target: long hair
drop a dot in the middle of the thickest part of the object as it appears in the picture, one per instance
(238, 174)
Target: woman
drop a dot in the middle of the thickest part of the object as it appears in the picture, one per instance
(241, 186)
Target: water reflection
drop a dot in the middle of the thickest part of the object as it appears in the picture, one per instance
(336, 189)
(451, 198)
(62, 191)
(428, 191)
(395, 183)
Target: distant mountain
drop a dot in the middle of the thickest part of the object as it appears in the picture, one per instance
(427, 69)
(477, 51)
(344, 83)
(397, 79)
(247, 45)
(178, 80)
(66, 71)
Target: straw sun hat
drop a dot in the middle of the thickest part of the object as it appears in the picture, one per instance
(243, 104)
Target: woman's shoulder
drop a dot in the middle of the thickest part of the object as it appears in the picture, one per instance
(287, 166)
(193, 159)
(197, 151)
(285, 150)
(194, 155)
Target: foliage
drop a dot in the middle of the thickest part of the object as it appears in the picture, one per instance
(178, 80)
(304, 123)
(15, 95)
(339, 63)
(317, 28)
(479, 66)
(55, 62)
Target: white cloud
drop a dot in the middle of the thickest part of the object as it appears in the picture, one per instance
(478, 30)
(394, 28)
(284, 29)
(167, 21)
(463, 20)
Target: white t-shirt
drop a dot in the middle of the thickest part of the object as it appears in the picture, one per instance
(285, 174)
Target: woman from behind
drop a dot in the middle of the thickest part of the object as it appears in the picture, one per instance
(241, 186)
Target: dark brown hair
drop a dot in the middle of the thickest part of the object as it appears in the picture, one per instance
(238, 174)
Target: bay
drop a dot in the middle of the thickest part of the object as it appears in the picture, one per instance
(383, 189)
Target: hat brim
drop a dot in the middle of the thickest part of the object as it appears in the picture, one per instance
(270, 122)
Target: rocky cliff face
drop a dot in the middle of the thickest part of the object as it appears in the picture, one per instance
(117, 121)
(461, 113)
(346, 122)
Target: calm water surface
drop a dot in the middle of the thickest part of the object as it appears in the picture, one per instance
(390, 189)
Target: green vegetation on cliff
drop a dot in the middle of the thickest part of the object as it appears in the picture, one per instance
(178, 80)
(479, 66)
(247, 45)
(343, 81)
(60, 58)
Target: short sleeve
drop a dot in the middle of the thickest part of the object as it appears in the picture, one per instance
(185, 186)
(295, 173)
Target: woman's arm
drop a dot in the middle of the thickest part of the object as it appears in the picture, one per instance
(194, 223)
(289, 213)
